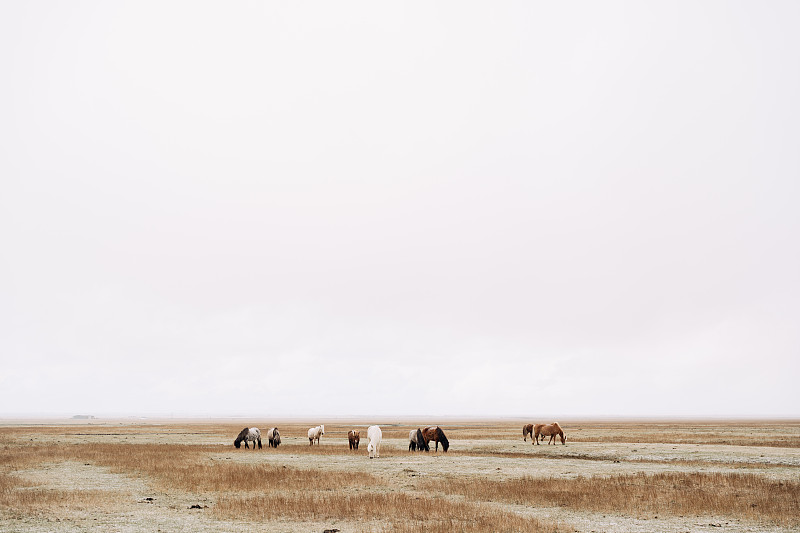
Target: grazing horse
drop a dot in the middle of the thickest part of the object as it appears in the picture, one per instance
(315, 433)
(353, 437)
(549, 430)
(274, 437)
(436, 434)
(248, 434)
(527, 429)
(416, 441)
(374, 434)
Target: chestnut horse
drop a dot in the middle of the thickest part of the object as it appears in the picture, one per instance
(527, 429)
(353, 437)
(432, 433)
(549, 430)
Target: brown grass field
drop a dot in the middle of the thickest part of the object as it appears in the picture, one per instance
(610, 476)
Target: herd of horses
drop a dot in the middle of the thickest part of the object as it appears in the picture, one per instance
(254, 435)
(418, 439)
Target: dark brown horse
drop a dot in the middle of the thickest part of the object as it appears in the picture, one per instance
(435, 433)
(527, 429)
(549, 430)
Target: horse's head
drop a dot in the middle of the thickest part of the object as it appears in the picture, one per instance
(322, 429)
(371, 449)
(237, 443)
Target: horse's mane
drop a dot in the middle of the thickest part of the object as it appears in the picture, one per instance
(421, 442)
(440, 437)
(242, 435)
(556, 426)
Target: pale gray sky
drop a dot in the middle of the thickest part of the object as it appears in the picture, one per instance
(424, 208)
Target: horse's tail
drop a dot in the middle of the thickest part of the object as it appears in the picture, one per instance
(259, 443)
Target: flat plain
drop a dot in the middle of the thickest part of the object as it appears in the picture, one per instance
(170, 476)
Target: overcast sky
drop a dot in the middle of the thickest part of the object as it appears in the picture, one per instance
(532, 209)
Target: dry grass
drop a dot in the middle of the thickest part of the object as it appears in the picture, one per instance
(291, 493)
(744, 496)
(184, 468)
(423, 512)
(19, 496)
(254, 485)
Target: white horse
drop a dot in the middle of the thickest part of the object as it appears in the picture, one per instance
(248, 434)
(315, 433)
(274, 437)
(374, 434)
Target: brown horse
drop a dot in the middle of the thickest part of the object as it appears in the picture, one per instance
(435, 433)
(354, 437)
(527, 429)
(549, 430)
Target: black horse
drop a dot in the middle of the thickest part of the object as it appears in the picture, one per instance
(417, 441)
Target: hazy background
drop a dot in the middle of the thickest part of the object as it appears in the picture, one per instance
(438, 208)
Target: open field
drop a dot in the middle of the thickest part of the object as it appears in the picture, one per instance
(610, 476)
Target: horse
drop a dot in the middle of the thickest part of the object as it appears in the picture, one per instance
(374, 434)
(274, 437)
(527, 429)
(315, 433)
(417, 441)
(353, 437)
(248, 434)
(549, 430)
(436, 434)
